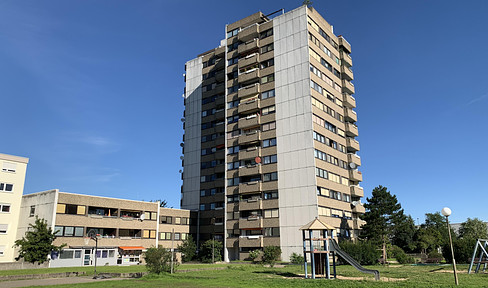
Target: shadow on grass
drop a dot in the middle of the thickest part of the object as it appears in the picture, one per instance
(279, 273)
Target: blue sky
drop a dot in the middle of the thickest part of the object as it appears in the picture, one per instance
(90, 91)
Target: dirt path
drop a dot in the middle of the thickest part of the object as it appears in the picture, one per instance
(51, 281)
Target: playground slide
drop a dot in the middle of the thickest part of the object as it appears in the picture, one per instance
(335, 247)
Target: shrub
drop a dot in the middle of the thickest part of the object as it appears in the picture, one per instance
(365, 252)
(296, 258)
(271, 254)
(434, 254)
(400, 255)
(254, 254)
(158, 260)
(463, 250)
(188, 249)
(206, 251)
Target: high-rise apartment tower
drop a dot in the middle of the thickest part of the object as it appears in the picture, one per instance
(269, 140)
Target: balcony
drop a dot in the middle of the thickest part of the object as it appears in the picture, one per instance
(352, 144)
(346, 59)
(351, 130)
(251, 204)
(250, 137)
(249, 106)
(347, 87)
(220, 77)
(345, 45)
(248, 76)
(248, 46)
(249, 170)
(358, 209)
(350, 115)
(355, 175)
(248, 33)
(353, 158)
(249, 91)
(349, 101)
(248, 60)
(250, 187)
(249, 121)
(251, 222)
(251, 241)
(346, 73)
(250, 153)
(357, 191)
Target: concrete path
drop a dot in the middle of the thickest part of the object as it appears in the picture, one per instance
(51, 281)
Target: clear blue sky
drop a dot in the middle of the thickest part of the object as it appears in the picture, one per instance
(90, 91)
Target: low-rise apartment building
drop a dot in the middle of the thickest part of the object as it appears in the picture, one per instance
(12, 176)
(125, 227)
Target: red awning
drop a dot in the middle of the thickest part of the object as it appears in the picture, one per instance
(132, 248)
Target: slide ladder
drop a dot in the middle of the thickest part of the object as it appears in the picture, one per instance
(335, 247)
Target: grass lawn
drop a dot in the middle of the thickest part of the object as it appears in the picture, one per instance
(258, 276)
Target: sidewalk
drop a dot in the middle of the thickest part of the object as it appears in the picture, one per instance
(51, 281)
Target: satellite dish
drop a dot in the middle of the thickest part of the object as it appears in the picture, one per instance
(353, 165)
(257, 160)
(181, 171)
(182, 144)
(182, 119)
(142, 217)
(181, 157)
(354, 203)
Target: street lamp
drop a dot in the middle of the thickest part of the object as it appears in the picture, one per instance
(92, 234)
(447, 212)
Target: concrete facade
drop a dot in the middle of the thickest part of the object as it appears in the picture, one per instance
(122, 233)
(12, 177)
(276, 134)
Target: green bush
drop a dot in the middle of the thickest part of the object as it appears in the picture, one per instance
(401, 256)
(296, 258)
(188, 249)
(463, 250)
(254, 254)
(271, 254)
(434, 254)
(206, 249)
(365, 252)
(158, 260)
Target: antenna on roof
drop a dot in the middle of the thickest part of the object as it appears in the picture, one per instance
(308, 3)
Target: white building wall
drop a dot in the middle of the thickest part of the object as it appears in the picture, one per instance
(190, 197)
(12, 172)
(294, 129)
(44, 204)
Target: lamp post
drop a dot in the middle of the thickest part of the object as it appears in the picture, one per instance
(447, 212)
(92, 234)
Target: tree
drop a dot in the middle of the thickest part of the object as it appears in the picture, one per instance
(404, 233)
(37, 243)
(428, 239)
(383, 212)
(158, 260)
(206, 249)
(188, 249)
(473, 229)
(271, 254)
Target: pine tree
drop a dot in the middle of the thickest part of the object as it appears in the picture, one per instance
(37, 243)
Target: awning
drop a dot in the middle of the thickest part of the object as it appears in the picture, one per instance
(132, 248)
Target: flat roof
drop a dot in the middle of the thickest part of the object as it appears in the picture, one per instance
(14, 158)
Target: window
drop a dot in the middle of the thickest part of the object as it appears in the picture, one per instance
(66, 254)
(2, 250)
(233, 150)
(4, 208)
(178, 220)
(9, 167)
(268, 110)
(267, 48)
(3, 228)
(232, 199)
(324, 211)
(177, 236)
(323, 191)
(232, 119)
(71, 209)
(233, 104)
(202, 207)
(267, 63)
(269, 142)
(266, 33)
(233, 134)
(268, 94)
(267, 78)
(5, 187)
(233, 165)
(32, 211)
(166, 220)
(268, 126)
(151, 215)
(232, 33)
(272, 231)
(233, 181)
(269, 159)
(165, 235)
(271, 213)
(270, 176)
(184, 236)
(232, 46)
(270, 195)
(232, 61)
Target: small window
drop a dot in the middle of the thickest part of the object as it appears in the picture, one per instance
(177, 236)
(32, 211)
(2, 251)
(177, 220)
(3, 228)
(66, 254)
(58, 230)
(9, 167)
(4, 208)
